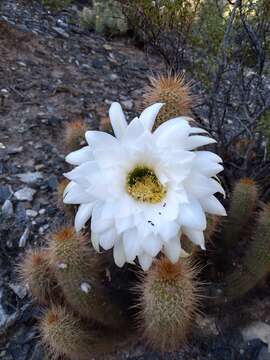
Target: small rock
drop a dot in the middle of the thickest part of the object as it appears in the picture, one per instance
(5, 193)
(14, 150)
(62, 266)
(98, 63)
(30, 177)
(31, 213)
(52, 182)
(85, 287)
(62, 24)
(39, 166)
(128, 104)
(4, 92)
(21, 212)
(42, 211)
(113, 77)
(21, 63)
(19, 290)
(2, 146)
(25, 194)
(257, 330)
(24, 237)
(61, 32)
(107, 47)
(7, 208)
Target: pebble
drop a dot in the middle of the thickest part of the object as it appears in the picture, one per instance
(4, 92)
(31, 213)
(85, 287)
(61, 32)
(42, 211)
(30, 177)
(7, 208)
(24, 238)
(5, 192)
(113, 77)
(19, 290)
(52, 182)
(14, 150)
(25, 194)
(128, 104)
(257, 330)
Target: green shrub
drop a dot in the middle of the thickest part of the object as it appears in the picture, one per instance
(56, 4)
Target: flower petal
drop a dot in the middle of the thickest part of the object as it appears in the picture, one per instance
(118, 120)
(119, 253)
(172, 249)
(201, 186)
(148, 116)
(145, 261)
(76, 195)
(98, 140)
(172, 133)
(151, 245)
(95, 241)
(108, 238)
(192, 216)
(195, 236)
(80, 156)
(168, 230)
(197, 141)
(212, 206)
(83, 214)
(131, 244)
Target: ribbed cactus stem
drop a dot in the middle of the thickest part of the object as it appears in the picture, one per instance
(256, 262)
(37, 274)
(169, 298)
(174, 92)
(243, 203)
(65, 335)
(78, 272)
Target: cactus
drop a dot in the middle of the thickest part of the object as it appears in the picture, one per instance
(243, 203)
(63, 334)
(37, 275)
(256, 262)
(173, 92)
(78, 271)
(85, 321)
(105, 17)
(169, 297)
(67, 208)
(74, 134)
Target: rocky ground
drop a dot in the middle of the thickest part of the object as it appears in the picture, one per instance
(53, 72)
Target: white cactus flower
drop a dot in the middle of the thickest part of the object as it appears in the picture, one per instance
(143, 189)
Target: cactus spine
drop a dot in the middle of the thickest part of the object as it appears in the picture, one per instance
(37, 275)
(77, 268)
(169, 297)
(173, 92)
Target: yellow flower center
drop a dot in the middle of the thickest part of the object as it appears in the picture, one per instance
(143, 185)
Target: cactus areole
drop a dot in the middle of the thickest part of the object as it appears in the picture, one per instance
(142, 188)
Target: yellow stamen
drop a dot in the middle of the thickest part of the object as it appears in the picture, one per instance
(143, 185)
